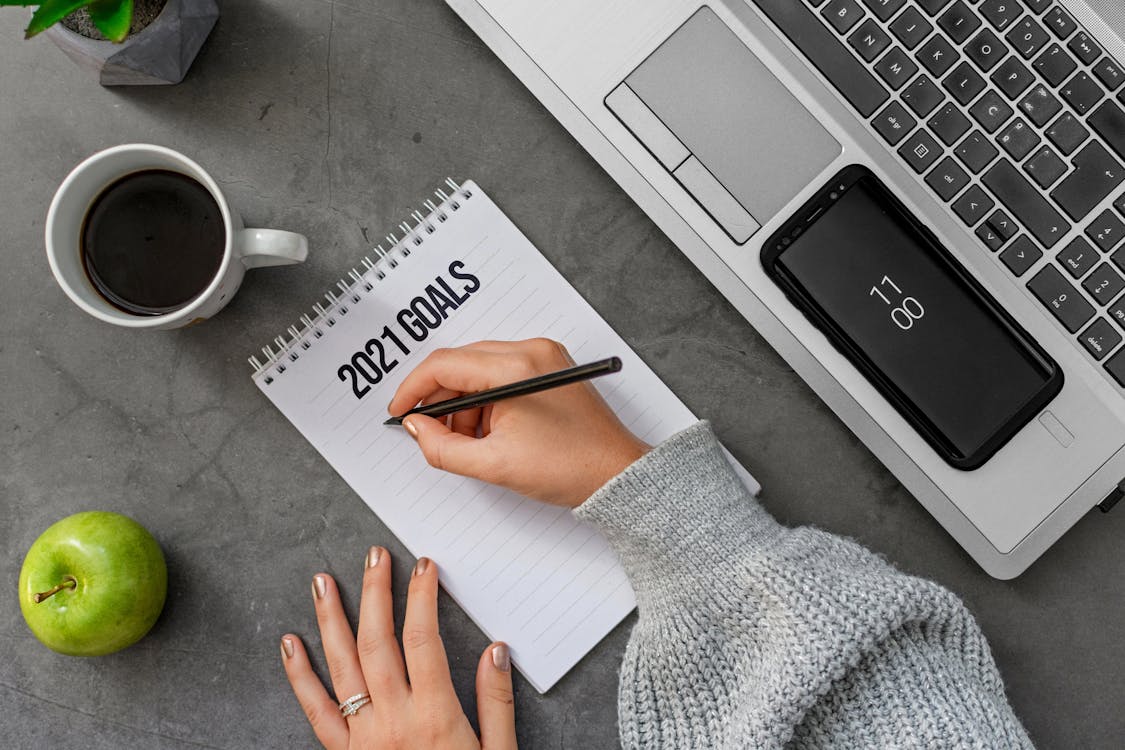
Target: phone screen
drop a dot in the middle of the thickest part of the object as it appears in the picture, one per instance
(903, 310)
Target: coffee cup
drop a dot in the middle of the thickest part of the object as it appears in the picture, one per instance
(235, 248)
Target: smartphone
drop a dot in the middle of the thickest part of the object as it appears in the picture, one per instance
(911, 319)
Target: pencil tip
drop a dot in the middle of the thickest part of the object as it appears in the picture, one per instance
(393, 421)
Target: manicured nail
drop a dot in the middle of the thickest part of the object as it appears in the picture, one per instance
(409, 425)
(373, 556)
(501, 659)
(420, 568)
(287, 648)
(319, 587)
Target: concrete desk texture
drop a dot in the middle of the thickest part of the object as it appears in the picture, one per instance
(332, 119)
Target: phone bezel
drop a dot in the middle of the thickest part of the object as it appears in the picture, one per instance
(812, 211)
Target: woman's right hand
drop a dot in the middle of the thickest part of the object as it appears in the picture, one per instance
(558, 446)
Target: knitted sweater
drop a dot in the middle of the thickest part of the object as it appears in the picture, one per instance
(753, 635)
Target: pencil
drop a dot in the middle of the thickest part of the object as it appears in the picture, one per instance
(522, 388)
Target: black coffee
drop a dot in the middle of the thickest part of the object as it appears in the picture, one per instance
(152, 241)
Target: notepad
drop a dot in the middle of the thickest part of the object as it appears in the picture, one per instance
(527, 573)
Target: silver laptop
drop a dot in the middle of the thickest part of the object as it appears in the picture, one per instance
(919, 203)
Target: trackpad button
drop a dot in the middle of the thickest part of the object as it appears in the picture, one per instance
(733, 115)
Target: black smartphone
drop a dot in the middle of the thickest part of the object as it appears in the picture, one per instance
(893, 300)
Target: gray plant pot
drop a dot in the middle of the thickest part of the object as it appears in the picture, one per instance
(160, 53)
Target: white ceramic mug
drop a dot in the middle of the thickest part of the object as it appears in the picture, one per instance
(245, 248)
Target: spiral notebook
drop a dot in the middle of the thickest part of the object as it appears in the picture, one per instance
(527, 573)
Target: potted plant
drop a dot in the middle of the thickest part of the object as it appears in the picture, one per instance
(126, 42)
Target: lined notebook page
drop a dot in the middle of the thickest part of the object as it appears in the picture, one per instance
(527, 573)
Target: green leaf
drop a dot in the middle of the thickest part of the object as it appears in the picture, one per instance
(112, 17)
(51, 12)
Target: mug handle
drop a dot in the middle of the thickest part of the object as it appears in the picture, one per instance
(259, 248)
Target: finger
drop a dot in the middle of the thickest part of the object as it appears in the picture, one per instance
(495, 704)
(442, 394)
(338, 640)
(452, 451)
(421, 643)
(321, 711)
(486, 421)
(466, 422)
(463, 370)
(379, 655)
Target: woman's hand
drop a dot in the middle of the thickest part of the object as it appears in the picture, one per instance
(558, 446)
(412, 705)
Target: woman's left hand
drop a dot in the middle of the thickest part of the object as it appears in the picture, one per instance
(412, 705)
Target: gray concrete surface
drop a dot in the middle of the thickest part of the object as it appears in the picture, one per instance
(332, 119)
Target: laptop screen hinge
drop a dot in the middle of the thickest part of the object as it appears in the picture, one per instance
(1105, 506)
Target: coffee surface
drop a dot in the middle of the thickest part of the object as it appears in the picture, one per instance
(153, 241)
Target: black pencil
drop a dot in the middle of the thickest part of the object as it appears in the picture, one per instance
(522, 388)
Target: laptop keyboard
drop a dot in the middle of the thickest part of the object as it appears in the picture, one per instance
(1013, 116)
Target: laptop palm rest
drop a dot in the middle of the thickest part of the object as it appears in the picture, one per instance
(716, 118)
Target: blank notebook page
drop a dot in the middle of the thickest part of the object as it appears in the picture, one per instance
(527, 573)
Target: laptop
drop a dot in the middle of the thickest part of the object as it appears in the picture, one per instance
(919, 203)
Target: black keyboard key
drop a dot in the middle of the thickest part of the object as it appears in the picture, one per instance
(1116, 367)
(986, 50)
(1019, 139)
(973, 205)
(933, 7)
(1106, 231)
(1026, 203)
(1082, 92)
(1061, 298)
(1060, 23)
(1040, 105)
(854, 82)
(920, 150)
(1078, 257)
(1001, 13)
(911, 28)
(1045, 167)
(884, 9)
(976, 152)
(1108, 121)
(947, 179)
(896, 68)
(1085, 48)
(1100, 338)
(1002, 224)
(964, 83)
(894, 123)
(1096, 174)
(959, 22)
(842, 14)
(949, 124)
(1055, 65)
(991, 111)
(1119, 204)
(1038, 6)
(1013, 77)
(1104, 284)
(1021, 255)
(1067, 133)
(1110, 74)
(989, 237)
(869, 40)
(1027, 37)
(923, 95)
(1117, 312)
(937, 55)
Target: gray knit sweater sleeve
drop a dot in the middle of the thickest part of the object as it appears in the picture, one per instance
(750, 634)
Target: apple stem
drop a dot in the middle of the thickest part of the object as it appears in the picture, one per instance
(69, 582)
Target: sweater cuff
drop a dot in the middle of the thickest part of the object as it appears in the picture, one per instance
(679, 513)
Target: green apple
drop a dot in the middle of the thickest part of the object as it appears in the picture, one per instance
(92, 584)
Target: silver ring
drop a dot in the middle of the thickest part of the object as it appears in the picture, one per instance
(351, 706)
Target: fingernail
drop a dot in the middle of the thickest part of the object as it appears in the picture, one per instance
(373, 556)
(319, 587)
(410, 428)
(501, 659)
(420, 568)
(287, 648)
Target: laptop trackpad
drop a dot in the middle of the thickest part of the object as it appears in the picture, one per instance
(737, 120)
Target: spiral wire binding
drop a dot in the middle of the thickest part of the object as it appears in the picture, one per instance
(351, 289)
